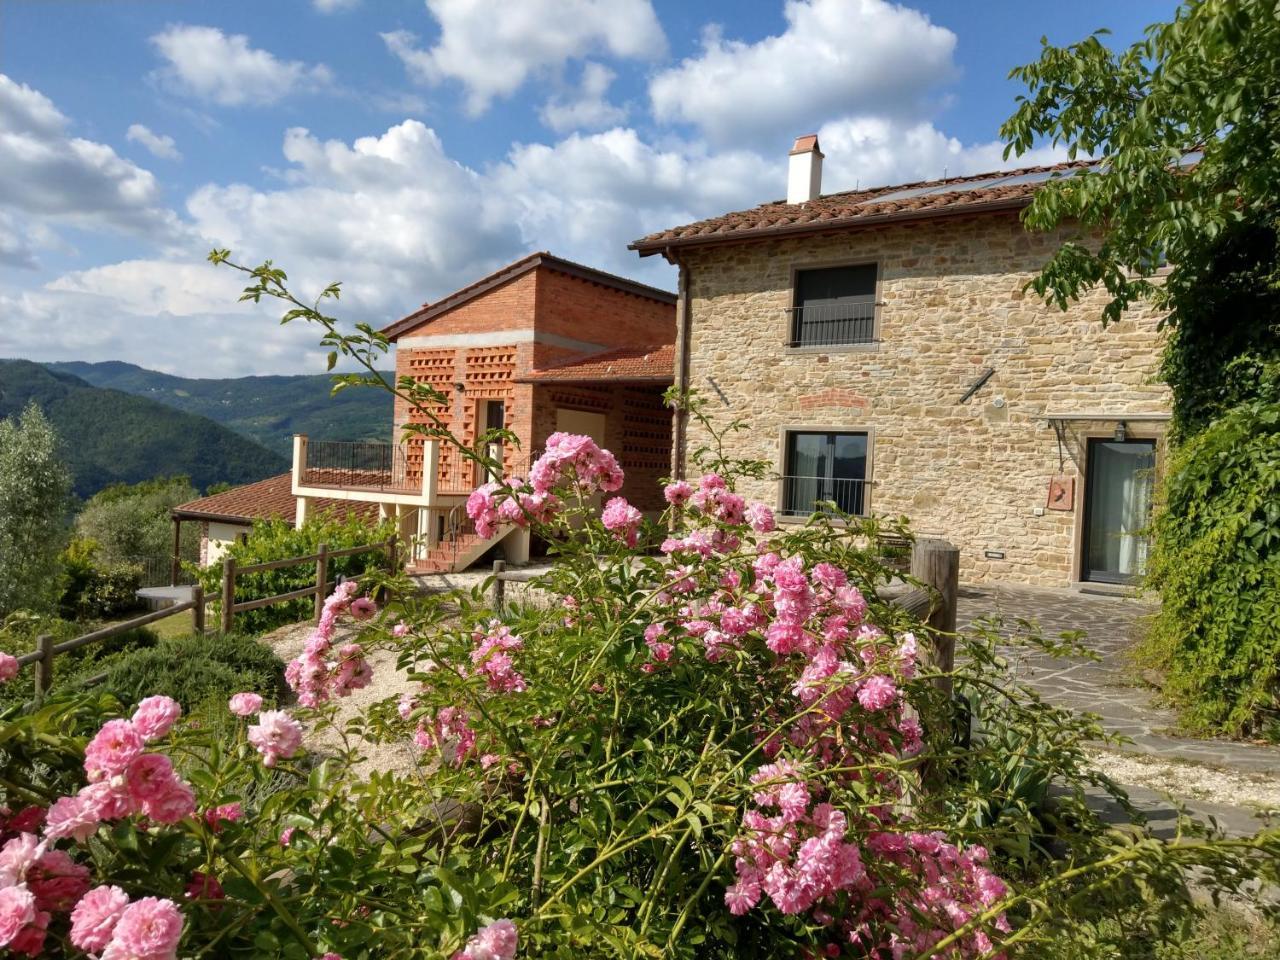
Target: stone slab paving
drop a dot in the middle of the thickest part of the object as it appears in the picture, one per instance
(1105, 687)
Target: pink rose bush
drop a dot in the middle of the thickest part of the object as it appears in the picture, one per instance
(41, 882)
(730, 741)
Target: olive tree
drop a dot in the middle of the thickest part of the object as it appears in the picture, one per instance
(35, 498)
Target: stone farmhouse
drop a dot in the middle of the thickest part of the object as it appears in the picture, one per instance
(882, 348)
(541, 345)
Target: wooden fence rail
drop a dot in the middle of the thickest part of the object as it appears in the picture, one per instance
(318, 590)
(47, 649)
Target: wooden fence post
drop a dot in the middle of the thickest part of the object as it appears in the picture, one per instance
(322, 579)
(197, 612)
(228, 593)
(936, 563)
(391, 554)
(499, 587)
(44, 666)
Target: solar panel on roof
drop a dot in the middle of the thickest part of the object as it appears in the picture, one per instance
(897, 195)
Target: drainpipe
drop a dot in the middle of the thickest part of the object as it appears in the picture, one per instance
(684, 319)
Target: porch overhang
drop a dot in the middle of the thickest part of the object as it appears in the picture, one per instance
(641, 365)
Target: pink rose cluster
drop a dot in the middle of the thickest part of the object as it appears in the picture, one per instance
(449, 732)
(276, 735)
(8, 667)
(491, 658)
(105, 923)
(36, 883)
(796, 849)
(124, 779)
(711, 499)
(571, 457)
(494, 504)
(497, 941)
(568, 458)
(622, 520)
(325, 671)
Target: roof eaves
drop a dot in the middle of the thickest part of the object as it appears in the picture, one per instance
(649, 248)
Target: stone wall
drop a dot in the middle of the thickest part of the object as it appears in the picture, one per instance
(952, 306)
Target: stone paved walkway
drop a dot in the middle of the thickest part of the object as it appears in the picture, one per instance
(1104, 687)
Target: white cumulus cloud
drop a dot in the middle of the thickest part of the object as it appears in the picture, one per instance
(588, 107)
(492, 54)
(225, 69)
(876, 151)
(835, 58)
(51, 177)
(159, 144)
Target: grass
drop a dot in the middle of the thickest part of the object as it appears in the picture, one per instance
(1227, 934)
(178, 625)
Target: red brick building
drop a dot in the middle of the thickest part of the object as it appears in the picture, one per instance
(541, 345)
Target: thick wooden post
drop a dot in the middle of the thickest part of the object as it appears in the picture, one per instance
(228, 593)
(197, 612)
(44, 666)
(391, 554)
(322, 580)
(499, 587)
(936, 563)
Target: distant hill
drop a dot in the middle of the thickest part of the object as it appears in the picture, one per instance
(269, 410)
(110, 436)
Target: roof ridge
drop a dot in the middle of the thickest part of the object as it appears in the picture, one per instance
(987, 192)
(518, 268)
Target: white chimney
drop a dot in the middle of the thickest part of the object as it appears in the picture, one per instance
(804, 175)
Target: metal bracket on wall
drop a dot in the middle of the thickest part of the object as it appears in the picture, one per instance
(719, 393)
(977, 384)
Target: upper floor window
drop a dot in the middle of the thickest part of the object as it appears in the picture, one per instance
(824, 467)
(834, 306)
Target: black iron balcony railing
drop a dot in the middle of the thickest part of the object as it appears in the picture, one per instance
(833, 324)
(803, 496)
(360, 465)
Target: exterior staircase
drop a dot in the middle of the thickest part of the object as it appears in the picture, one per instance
(456, 552)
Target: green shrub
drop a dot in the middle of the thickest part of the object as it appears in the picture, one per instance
(194, 669)
(277, 540)
(94, 590)
(1216, 563)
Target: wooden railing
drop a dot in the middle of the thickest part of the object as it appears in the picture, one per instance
(318, 590)
(47, 649)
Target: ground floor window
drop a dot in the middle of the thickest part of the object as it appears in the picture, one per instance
(824, 467)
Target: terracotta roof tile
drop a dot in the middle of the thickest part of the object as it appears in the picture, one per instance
(987, 192)
(270, 499)
(648, 364)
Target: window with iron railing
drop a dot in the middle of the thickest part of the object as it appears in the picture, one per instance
(823, 468)
(834, 306)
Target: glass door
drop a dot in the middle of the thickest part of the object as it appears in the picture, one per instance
(1117, 508)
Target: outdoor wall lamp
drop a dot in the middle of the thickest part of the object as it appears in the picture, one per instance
(460, 387)
(1121, 431)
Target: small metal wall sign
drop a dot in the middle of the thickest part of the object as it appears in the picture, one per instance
(1062, 493)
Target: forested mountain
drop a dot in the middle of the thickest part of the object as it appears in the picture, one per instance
(110, 436)
(269, 410)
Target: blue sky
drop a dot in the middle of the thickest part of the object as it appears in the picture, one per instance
(409, 147)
